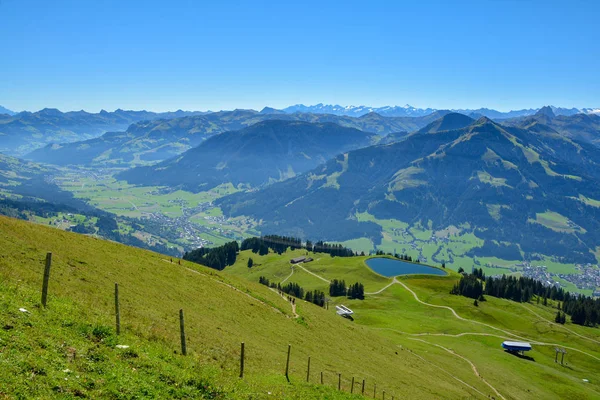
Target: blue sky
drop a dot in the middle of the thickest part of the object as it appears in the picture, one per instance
(167, 55)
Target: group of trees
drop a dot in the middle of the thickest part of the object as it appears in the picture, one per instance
(560, 318)
(316, 297)
(519, 289)
(583, 309)
(479, 273)
(217, 257)
(280, 244)
(335, 250)
(257, 245)
(356, 291)
(338, 288)
(469, 286)
(293, 289)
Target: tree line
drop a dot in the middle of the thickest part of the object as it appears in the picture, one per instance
(293, 289)
(280, 244)
(338, 288)
(583, 310)
(216, 257)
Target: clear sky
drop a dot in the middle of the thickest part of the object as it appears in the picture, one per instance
(198, 55)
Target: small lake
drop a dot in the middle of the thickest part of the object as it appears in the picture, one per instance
(391, 267)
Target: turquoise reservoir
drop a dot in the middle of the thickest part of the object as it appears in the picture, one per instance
(392, 267)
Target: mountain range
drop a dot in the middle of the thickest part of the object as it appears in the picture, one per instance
(6, 111)
(581, 127)
(526, 193)
(23, 132)
(265, 152)
(410, 111)
(149, 141)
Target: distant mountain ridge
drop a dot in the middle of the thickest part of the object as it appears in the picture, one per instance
(25, 131)
(4, 110)
(410, 111)
(157, 140)
(503, 184)
(265, 152)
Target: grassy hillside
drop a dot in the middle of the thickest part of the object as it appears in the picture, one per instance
(417, 312)
(69, 349)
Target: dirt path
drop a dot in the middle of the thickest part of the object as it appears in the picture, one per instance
(289, 276)
(473, 367)
(394, 281)
(234, 288)
(450, 375)
(293, 304)
(312, 273)
(458, 316)
(559, 325)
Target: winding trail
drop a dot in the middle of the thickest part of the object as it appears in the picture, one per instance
(312, 273)
(458, 316)
(559, 325)
(508, 333)
(394, 281)
(289, 276)
(235, 289)
(473, 367)
(449, 374)
(292, 303)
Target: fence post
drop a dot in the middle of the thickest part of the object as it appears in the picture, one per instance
(384, 395)
(242, 361)
(374, 390)
(363, 388)
(321, 377)
(352, 387)
(182, 329)
(308, 370)
(287, 363)
(117, 310)
(46, 278)
(339, 381)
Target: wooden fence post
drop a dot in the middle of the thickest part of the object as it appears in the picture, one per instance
(308, 370)
(117, 310)
(339, 381)
(352, 387)
(182, 329)
(46, 278)
(242, 361)
(374, 390)
(321, 377)
(287, 363)
(384, 395)
(363, 388)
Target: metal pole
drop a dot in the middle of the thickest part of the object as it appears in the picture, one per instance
(46, 278)
(182, 329)
(117, 310)
(242, 361)
(287, 363)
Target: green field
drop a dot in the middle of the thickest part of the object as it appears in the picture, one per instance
(74, 337)
(120, 198)
(455, 344)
